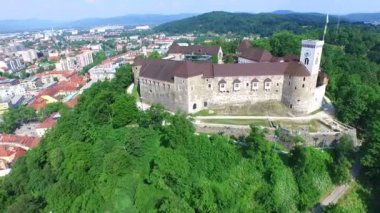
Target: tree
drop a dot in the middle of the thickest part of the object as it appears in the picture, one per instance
(15, 117)
(154, 55)
(124, 111)
(283, 43)
(50, 109)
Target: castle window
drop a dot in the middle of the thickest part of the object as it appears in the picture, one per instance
(304, 78)
(209, 85)
(291, 106)
(278, 84)
(236, 84)
(247, 84)
(295, 88)
(303, 85)
(307, 61)
(255, 84)
(267, 84)
(205, 104)
(194, 106)
(290, 76)
(222, 86)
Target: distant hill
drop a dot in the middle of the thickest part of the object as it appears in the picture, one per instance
(151, 19)
(243, 23)
(26, 25)
(127, 20)
(363, 17)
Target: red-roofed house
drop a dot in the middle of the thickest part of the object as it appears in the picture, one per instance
(69, 86)
(49, 123)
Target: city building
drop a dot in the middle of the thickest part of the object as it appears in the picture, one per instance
(65, 64)
(196, 53)
(47, 124)
(193, 86)
(84, 59)
(28, 55)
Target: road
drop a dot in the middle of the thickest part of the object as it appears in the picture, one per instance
(339, 191)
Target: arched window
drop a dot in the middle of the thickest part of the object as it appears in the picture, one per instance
(255, 84)
(195, 106)
(307, 61)
(267, 84)
(222, 85)
(236, 84)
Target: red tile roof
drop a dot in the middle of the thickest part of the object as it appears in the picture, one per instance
(166, 70)
(73, 102)
(24, 140)
(72, 85)
(4, 152)
(48, 123)
(19, 153)
(54, 73)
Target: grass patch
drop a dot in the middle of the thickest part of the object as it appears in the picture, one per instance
(263, 123)
(270, 108)
(135, 92)
(312, 125)
(205, 112)
(353, 201)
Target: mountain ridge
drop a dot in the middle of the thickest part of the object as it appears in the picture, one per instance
(33, 24)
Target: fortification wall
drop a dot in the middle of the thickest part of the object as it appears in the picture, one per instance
(158, 92)
(211, 92)
(298, 92)
(316, 102)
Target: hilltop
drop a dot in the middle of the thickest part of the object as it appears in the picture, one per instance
(244, 23)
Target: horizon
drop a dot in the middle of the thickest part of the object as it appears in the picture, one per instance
(54, 10)
(173, 14)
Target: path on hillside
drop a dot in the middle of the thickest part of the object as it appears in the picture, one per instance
(339, 191)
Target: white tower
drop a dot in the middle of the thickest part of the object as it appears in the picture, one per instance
(311, 54)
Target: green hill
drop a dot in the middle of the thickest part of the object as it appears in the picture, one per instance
(245, 23)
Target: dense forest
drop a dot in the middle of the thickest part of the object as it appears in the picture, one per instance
(264, 24)
(107, 156)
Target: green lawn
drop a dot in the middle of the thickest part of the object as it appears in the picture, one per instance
(135, 93)
(312, 126)
(263, 123)
(271, 108)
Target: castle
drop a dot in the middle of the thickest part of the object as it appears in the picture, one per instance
(189, 86)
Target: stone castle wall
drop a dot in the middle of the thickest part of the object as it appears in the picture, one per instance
(193, 94)
(298, 92)
(205, 92)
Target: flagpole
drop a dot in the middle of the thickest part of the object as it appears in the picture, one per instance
(325, 31)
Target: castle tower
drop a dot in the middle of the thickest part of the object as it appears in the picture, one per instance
(311, 54)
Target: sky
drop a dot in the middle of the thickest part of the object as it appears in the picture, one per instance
(66, 10)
